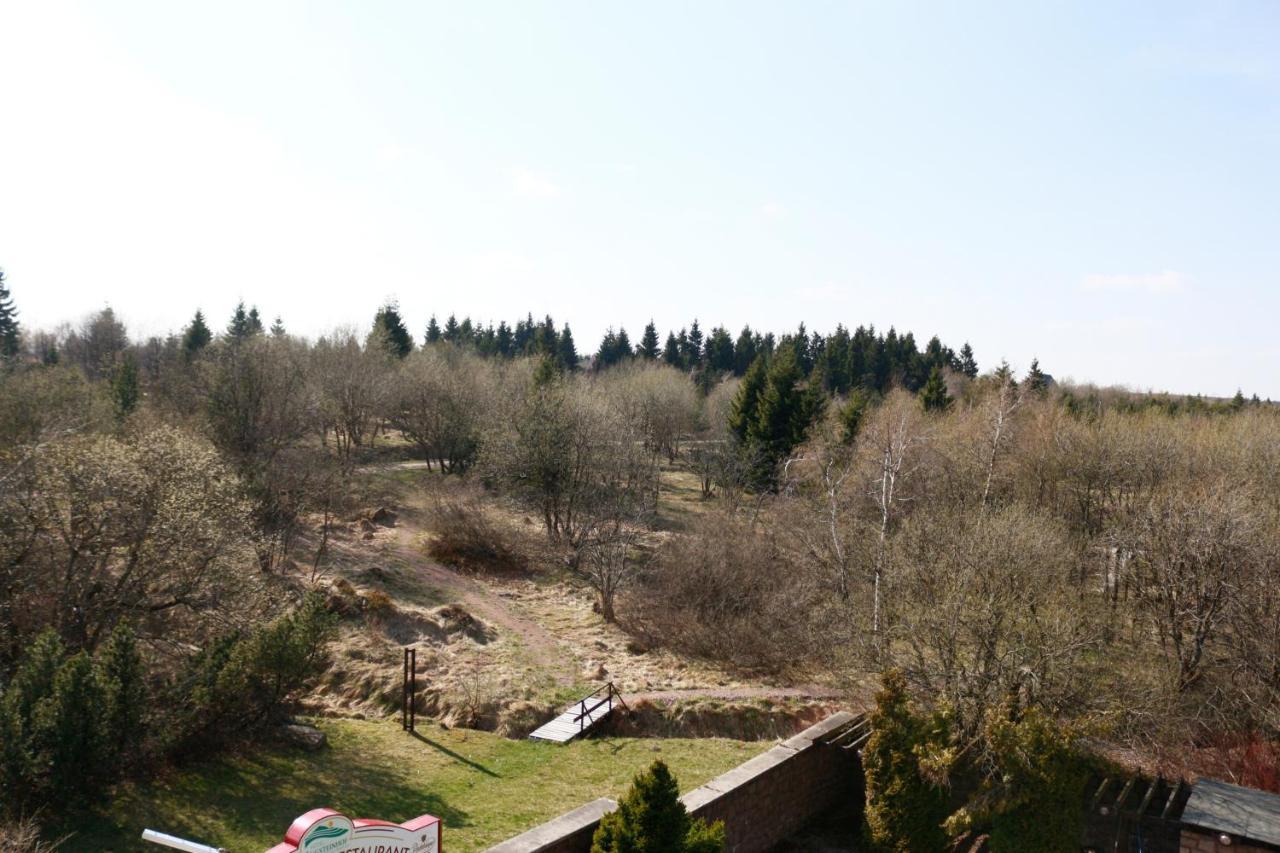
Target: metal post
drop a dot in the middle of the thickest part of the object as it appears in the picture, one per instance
(409, 690)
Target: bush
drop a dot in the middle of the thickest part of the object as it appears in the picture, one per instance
(651, 819)
(728, 593)
(66, 723)
(241, 684)
(465, 537)
(1041, 777)
(907, 752)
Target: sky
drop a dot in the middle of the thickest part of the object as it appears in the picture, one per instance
(1094, 184)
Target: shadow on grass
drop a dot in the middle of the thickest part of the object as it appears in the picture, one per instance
(455, 756)
(256, 797)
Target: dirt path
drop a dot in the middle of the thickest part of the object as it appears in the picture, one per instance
(543, 648)
(735, 693)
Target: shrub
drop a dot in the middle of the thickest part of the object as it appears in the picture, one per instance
(651, 819)
(242, 683)
(906, 804)
(728, 593)
(465, 537)
(1041, 776)
(59, 720)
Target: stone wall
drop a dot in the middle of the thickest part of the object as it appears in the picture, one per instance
(761, 802)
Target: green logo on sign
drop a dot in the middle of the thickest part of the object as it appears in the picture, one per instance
(324, 833)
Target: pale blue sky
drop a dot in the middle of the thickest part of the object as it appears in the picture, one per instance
(1097, 184)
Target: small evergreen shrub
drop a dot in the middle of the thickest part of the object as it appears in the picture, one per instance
(651, 819)
(904, 759)
(1040, 785)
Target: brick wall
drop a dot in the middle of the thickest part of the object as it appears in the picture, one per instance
(761, 802)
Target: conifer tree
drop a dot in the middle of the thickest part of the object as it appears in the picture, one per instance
(648, 349)
(504, 343)
(197, 335)
(433, 330)
(747, 401)
(8, 322)
(68, 736)
(1237, 402)
(968, 365)
(852, 415)
(388, 323)
(124, 386)
(718, 351)
(566, 352)
(624, 345)
(255, 321)
(124, 691)
(1037, 383)
(693, 348)
(239, 327)
(671, 352)
(277, 328)
(744, 351)
(784, 412)
(451, 329)
(651, 818)
(934, 396)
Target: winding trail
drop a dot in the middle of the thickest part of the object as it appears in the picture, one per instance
(544, 649)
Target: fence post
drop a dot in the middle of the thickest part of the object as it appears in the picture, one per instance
(409, 690)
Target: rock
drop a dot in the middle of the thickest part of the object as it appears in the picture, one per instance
(383, 517)
(307, 737)
(368, 535)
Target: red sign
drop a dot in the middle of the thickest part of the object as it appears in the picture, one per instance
(328, 831)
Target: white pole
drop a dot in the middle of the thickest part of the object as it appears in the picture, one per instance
(178, 843)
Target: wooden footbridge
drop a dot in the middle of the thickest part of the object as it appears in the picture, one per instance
(581, 716)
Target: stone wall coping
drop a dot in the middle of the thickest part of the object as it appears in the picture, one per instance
(820, 729)
(557, 829)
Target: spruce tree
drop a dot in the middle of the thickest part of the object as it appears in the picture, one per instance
(255, 321)
(744, 351)
(124, 386)
(648, 349)
(968, 365)
(693, 347)
(784, 413)
(197, 335)
(747, 401)
(451, 327)
(277, 328)
(388, 323)
(124, 690)
(671, 352)
(853, 414)
(504, 343)
(433, 330)
(650, 818)
(566, 352)
(68, 735)
(8, 322)
(239, 328)
(1037, 383)
(934, 396)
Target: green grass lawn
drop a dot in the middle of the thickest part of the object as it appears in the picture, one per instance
(484, 787)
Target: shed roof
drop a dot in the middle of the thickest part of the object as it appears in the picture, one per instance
(1244, 812)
